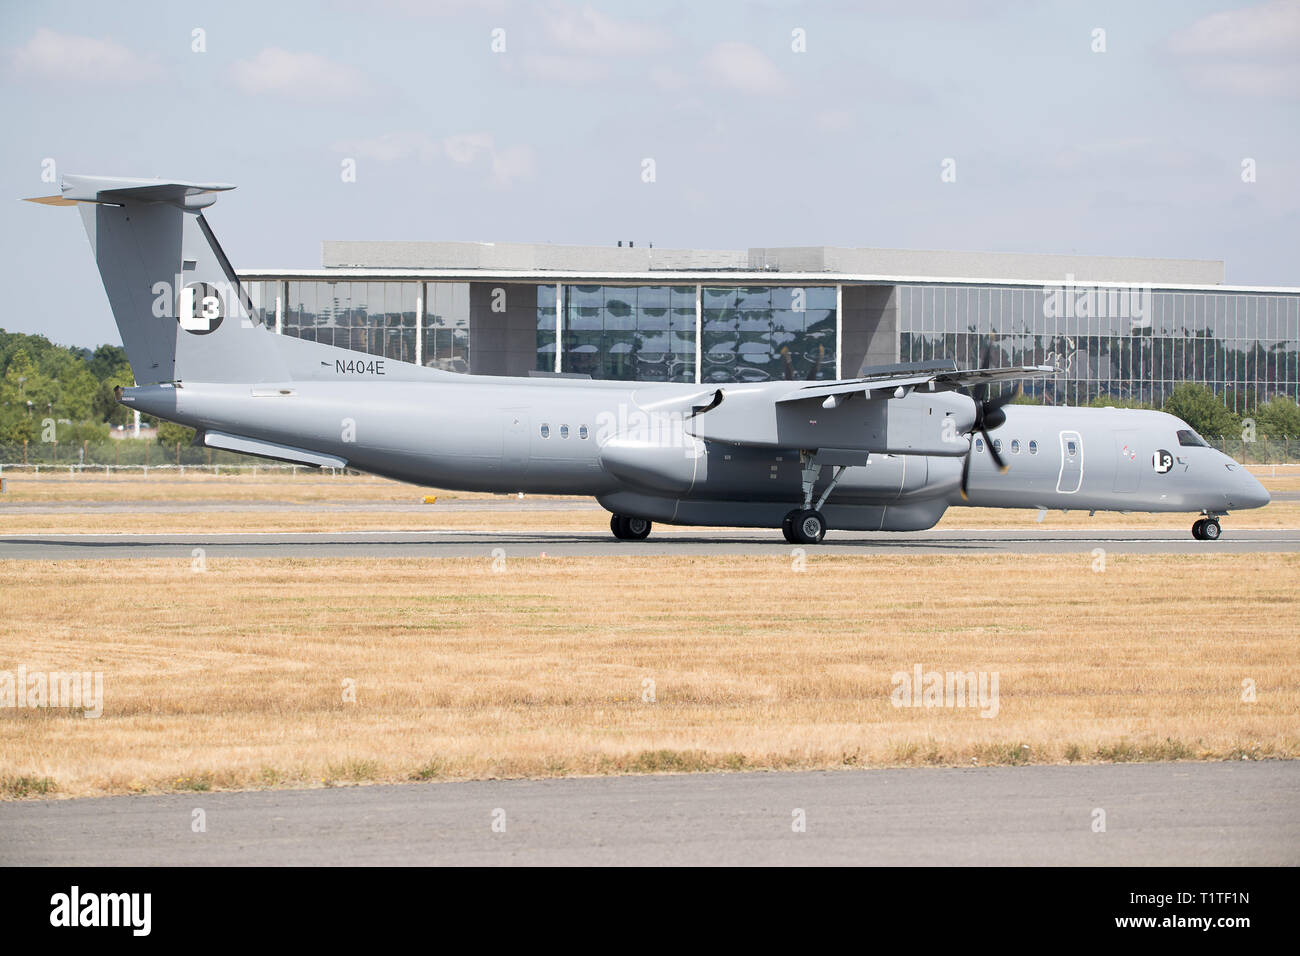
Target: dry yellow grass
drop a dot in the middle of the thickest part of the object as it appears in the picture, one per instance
(233, 677)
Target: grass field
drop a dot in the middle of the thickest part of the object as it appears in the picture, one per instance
(235, 676)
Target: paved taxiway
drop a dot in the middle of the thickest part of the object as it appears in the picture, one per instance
(664, 541)
(1195, 814)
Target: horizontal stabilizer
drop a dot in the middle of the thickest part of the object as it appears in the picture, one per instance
(116, 191)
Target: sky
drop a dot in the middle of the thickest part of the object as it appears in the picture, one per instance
(1162, 129)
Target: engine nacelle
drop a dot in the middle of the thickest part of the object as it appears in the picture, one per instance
(672, 466)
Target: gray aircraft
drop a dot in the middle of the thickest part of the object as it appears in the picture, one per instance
(889, 450)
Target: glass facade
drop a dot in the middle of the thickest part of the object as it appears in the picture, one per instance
(630, 333)
(545, 329)
(373, 317)
(1129, 343)
(748, 333)
(445, 327)
(262, 296)
(379, 318)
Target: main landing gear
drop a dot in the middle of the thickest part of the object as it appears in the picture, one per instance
(804, 526)
(807, 525)
(627, 528)
(1207, 529)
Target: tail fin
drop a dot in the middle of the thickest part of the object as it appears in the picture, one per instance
(177, 302)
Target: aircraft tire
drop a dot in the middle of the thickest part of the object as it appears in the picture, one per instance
(1198, 529)
(1210, 531)
(626, 528)
(787, 527)
(808, 526)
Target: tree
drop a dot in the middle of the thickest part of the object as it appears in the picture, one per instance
(1202, 410)
(169, 433)
(109, 363)
(1106, 400)
(1278, 418)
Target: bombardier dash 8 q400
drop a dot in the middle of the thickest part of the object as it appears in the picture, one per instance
(890, 450)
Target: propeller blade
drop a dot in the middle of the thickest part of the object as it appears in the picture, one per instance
(965, 473)
(993, 452)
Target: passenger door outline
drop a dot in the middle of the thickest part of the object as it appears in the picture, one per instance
(1071, 477)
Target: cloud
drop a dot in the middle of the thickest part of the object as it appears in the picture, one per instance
(505, 165)
(391, 147)
(558, 68)
(668, 79)
(1272, 27)
(591, 32)
(1252, 79)
(304, 76)
(64, 57)
(1248, 52)
(740, 66)
(835, 120)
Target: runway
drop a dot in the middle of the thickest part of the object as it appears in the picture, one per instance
(1196, 814)
(663, 541)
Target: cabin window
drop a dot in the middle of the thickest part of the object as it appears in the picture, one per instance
(546, 431)
(1071, 448)
(979, 444)
(564, 431)
(997, 445)
(582, 432)
(1015, 446)
(1033, 447)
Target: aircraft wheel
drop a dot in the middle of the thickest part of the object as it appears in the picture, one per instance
(1210, 531)
(787, 527)
(626, 528)
(1198, 529)
(809, 526)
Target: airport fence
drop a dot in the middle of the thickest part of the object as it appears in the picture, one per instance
(140, 456)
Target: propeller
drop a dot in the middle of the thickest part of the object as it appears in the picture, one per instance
(988, 414)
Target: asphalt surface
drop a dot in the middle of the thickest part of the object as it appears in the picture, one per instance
(1197, 814)
(671, 541)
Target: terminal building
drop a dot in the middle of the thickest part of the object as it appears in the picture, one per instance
(1130, 329)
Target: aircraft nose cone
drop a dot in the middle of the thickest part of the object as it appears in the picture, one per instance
(1249, 493)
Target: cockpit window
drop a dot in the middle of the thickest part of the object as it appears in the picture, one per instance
(1190, 439)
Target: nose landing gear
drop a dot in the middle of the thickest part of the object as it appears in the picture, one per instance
(1207, 528)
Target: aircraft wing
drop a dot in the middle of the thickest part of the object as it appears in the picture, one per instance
(922, 419)
(941, 375)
